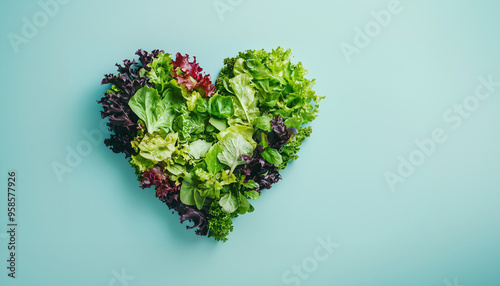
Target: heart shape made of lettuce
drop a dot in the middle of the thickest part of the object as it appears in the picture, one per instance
(209, 149)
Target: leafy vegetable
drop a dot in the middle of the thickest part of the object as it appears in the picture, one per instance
(160, 70)
(289, 150)
(280, 87)
(220, 223)
(233, 145)
(208, 150)
(213, 163)
(244, 99)
(252, 194)
(189, 75)
(264, 123)
(168, 192)
(220, 124)
(250, 184)
(199, 148)
(229, 203)
(272, 156)
(122, 121)
(221, 106)
(199, 185)
(148, 105)
(259, 170)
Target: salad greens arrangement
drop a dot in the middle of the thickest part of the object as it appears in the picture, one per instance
(209, 149)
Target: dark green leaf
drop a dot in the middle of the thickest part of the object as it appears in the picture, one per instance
(272, 156)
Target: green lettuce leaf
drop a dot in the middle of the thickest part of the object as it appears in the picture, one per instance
(250, 184)
(244, 205)
(245, 105)
(278, 85)
(213, 163)
(264, 123)
(160, 71)
(220, 124)
(187, 191)
(233, 145)
(199, 148)
(140, 163)
(229, 203)
(221, 106)
(191, 98)
(148, 106)
(272, 156)
(252, 195)
(244, 130)
(156, 148)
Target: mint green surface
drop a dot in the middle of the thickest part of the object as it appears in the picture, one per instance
(95, 226)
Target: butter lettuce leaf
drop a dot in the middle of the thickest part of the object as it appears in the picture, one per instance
(148, 106)
(157, 148)
(199, 148)
(221, 106)
(234, 145)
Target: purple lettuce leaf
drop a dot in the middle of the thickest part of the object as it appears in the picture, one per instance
(259, 170)
(279, 134)
(122, 121)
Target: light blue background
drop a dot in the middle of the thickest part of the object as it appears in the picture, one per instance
(440, 226)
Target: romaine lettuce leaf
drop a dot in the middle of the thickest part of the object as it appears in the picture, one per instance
(245, 105)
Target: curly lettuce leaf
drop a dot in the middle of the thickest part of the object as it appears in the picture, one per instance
(156, 148)
(122, 120)
(160, 71)
(200, 185)
(289, 150)
(189, 74)
(279, 86)
(220, 223)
